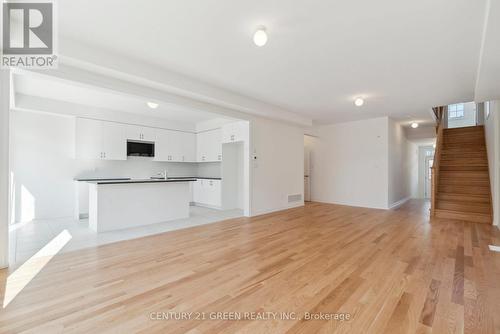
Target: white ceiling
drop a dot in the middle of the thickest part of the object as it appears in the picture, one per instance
(49, 88)
(403, 57)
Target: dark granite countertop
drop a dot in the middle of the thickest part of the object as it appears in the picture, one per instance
(130, 180)
(102, 179)
(142, 181)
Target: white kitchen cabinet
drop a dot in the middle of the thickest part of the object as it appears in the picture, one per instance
(100, 140)
(234, 132)
(188, 144)
(167, 145)
(141, 133)
(209, 146)
(114, 141)
(175, 146)
(88, 139)
(207, 192)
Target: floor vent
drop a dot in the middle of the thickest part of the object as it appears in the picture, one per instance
(294, 198)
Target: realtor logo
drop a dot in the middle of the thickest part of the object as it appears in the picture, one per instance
(28, 35)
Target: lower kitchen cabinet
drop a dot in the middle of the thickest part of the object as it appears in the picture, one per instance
(207, 192)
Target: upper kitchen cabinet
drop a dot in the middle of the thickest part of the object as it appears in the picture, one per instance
(175, 146)
(114, 141)
(140, 133)
(188, 145)
(100, 140)
(209, 146)
(234, 132)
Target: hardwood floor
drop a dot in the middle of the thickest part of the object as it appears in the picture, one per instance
(390, 271)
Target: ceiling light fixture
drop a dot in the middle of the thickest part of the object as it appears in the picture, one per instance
(414, 125)
(260, 36)
(359, 102)
(152, 105)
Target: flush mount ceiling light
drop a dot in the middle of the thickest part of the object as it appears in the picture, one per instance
(152, 105)
(359, 102)
(414, 125)
(260, 36)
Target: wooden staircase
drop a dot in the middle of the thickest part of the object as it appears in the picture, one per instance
(463, 183)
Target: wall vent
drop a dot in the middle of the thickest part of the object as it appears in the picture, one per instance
(294, 198)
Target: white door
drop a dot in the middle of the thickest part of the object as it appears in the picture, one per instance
(114, 143)
(307, 175)
(429, 161)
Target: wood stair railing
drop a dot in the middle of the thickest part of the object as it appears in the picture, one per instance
(439, 112)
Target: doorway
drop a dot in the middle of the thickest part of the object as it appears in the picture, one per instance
(308, 168)
(429, 161)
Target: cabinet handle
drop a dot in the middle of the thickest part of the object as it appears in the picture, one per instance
(232, 137)
(220, 157)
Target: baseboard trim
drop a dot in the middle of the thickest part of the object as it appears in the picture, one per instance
(399, 203)
(266, 211)
(351, 205)
(206, 206)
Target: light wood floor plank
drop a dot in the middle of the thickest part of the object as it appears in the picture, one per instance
(391, 271)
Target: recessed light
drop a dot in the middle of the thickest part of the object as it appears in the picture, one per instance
(260, 36)
(152, 105)
(414, 125)
(359, 102)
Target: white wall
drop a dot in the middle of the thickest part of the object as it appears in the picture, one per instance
(278, 170)
(413, 168)
(43, 166)
(4, 167)
(420, 133)
(399, 167)
(350, 163)
(492, 133)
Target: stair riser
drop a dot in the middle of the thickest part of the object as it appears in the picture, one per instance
(453, 189)
(480, 175)
(464, 208)
(483, 199)
(474, 218)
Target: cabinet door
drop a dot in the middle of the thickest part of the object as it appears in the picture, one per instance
(216, 145)
(88, 139)
(188, 144)
(114, 141)
(233, 132)
(213, 192)
(140, 133)
(148, 134)
(161, 145)
(197, 191)
(133, 132)
(201, 146)
(227, 133)
(176, 146)
(213, 147)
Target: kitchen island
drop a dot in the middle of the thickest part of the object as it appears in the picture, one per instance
(121, 204)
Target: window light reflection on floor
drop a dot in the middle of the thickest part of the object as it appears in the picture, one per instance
(21, 277)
